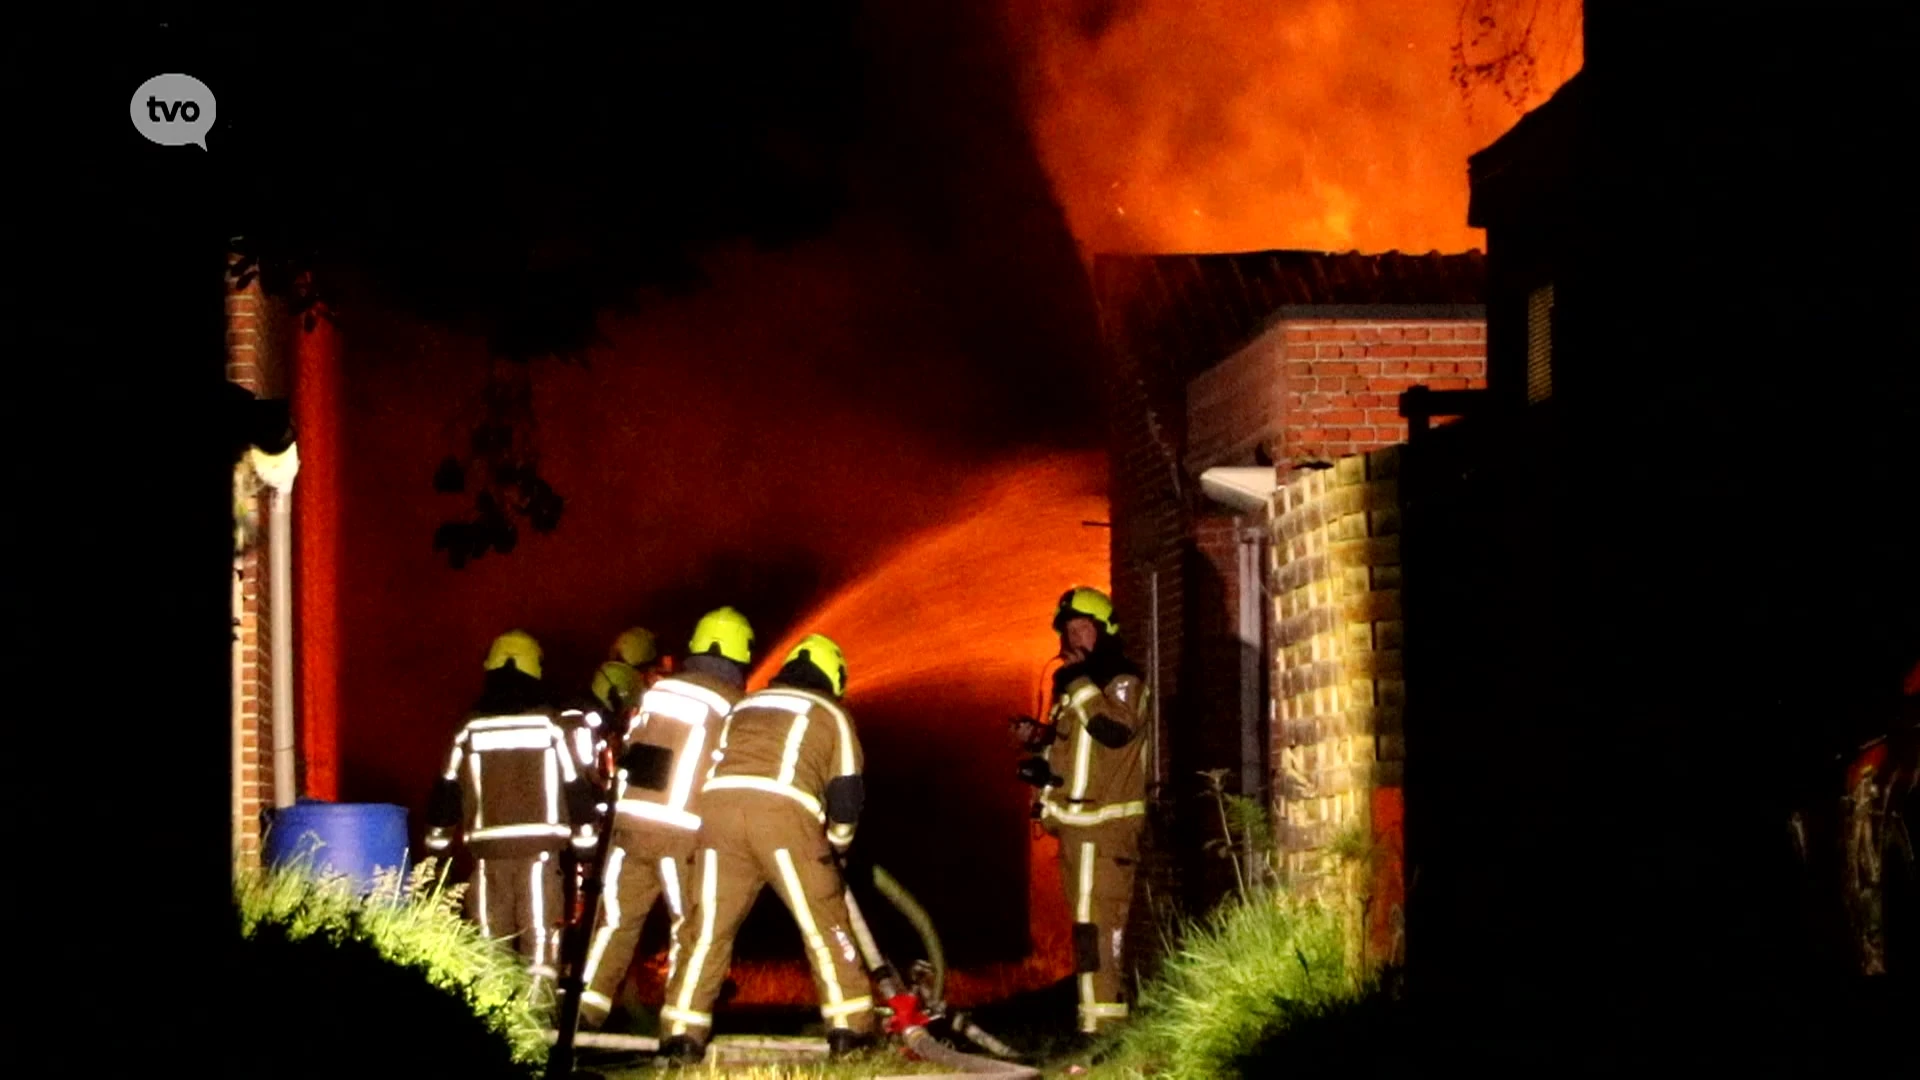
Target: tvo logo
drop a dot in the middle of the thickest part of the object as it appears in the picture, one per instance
(174, 110)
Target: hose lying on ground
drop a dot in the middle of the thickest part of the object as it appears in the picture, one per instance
(925, 1046)
(918, 1039)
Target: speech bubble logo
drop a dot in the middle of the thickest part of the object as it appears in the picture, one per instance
(173, 110)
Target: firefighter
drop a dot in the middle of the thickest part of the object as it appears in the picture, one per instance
(513, 793)
(591, 723)
(1090, 765)
(668, 746)
(780, 806)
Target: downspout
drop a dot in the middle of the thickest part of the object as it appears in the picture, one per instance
(1153, 666)
(1251, 648)
(279, 470)
(280, 554)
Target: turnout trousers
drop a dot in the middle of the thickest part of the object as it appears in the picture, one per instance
(1097, 866)
(520, 898)
(645, 861)
(748, 840)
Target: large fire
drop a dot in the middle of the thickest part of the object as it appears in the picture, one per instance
(1236, 125)
(944, 640)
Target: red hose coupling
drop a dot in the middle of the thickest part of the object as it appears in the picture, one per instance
(906, 1013)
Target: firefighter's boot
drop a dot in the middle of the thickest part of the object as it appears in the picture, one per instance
(841, 1042)
(682, 1050)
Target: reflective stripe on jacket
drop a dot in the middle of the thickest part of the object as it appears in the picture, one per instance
(1103, 783)
(679, 715)
(513, 772)
(789, 742)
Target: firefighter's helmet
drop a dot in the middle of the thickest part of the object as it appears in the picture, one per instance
(518, 648)
(820, 651)
(616, 677)
(635, 648)
(1083, 602)
(723, 632)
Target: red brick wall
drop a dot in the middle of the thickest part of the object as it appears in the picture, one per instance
(1237, 406)
(1344, 378)
(248, 364)
(1146, 412)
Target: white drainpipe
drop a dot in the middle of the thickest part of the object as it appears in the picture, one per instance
(278, 471)
(280, 555)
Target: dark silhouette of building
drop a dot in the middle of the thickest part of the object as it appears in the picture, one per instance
(1660, 582)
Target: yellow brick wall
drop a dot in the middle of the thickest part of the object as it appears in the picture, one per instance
(1336, 636)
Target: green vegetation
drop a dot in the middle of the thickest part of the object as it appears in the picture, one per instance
(1266, 965)
(1256, 967)
(336, 984)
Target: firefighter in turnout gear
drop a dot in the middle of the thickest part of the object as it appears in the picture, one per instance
(667, 750)
(1090, 765)
(593, 723)
(514, 795)
(780, 806)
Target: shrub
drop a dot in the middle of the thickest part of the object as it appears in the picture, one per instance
(395, 983)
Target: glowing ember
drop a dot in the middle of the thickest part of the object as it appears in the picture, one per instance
(1237, 125)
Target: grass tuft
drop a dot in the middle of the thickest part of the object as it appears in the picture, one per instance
(1239, 979)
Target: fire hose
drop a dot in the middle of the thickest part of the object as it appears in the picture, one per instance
(916, 1007)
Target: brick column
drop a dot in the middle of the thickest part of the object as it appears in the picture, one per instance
(1338, 692)
(246, 366)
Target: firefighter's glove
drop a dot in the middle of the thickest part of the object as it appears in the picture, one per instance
(1031, 734)
(1036, 771)
(438, 840)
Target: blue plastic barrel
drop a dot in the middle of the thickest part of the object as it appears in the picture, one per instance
(347, 838)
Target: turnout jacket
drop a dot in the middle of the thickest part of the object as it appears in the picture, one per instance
(669, 748)
(800, 745)
(512, 788)
(585, 724)
(1099, 717)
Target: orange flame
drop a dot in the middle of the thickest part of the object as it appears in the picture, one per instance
(1235, 125)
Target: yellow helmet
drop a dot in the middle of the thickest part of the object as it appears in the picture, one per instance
(518, 647)
(723, 631)
(1081, 601)
(615, 677)
(635, 648)
(820, 651)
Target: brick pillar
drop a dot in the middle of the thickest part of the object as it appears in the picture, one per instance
(1338, 693)
(247, 367)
